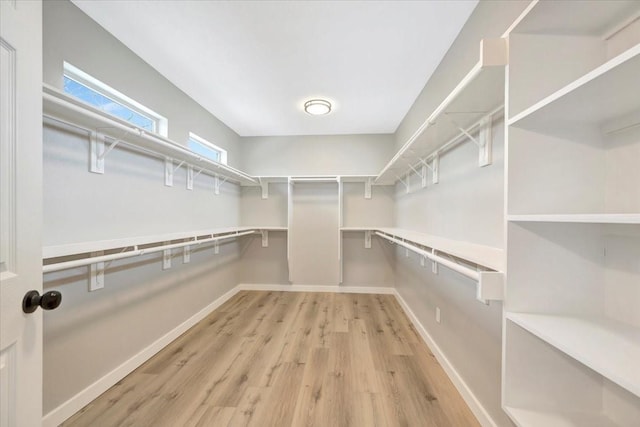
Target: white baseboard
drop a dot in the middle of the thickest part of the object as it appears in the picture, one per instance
(80, 400)
(317, 288)
(58, 415)
(470, 399)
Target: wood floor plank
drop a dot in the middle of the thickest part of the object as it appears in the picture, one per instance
(312, 394)
(288, 359)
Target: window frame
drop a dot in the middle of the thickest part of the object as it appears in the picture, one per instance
(207, 144)
(161, 124)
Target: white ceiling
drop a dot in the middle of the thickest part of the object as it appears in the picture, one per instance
(252, 64)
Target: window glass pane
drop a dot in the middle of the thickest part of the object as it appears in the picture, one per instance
(204, 151)
(108, 105)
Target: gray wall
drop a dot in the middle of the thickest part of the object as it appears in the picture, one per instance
(316, 155)
(93, 333)
(71, 36)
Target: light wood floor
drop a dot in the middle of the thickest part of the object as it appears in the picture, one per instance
(288, 359)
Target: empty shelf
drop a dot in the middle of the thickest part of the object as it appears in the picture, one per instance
(537, 418)
(486, 256)
(579, 218)
(608, 347)
(598, 97)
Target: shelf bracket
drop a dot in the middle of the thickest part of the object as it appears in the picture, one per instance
(96, 148)
(98, 152)
(166, 258)
(434, 264)
(216, 248)
(423, 261)
(434, 167)
(186, 254)
(367, 189)
(168, 172)
(265, 238)
(178, 167)
(485, 145)
(189, 177)
(367, 239)
(463, 130)
(422, 174)
(217, 184)
(407, 184)
(96, 273)
(265, 188)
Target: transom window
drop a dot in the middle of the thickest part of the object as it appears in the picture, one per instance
(207, 149)
(92, 91)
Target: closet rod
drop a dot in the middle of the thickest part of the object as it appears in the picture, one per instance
(315, 179)
(430, 121)
(465, 271)
(136, 252)
(150, 138)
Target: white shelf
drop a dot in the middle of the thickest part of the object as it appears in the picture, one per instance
(357, 229)
(486, 256)
(55, 251)
(608, 347)
(608, 92)
(286, 178)
(579, 218)
(539, 418)
(271, 228)
(588, 17)
(480, 92)
(60, 106)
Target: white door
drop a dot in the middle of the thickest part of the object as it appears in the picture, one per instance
(20, 211)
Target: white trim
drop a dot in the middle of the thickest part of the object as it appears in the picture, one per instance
(85, 79)
(317, 288)
(58, 415)
(463, 388)
(200, 140)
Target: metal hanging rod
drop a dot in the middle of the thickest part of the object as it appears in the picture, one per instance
(465, 271)
(137, 252)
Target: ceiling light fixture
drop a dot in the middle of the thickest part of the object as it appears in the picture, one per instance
(317, 107)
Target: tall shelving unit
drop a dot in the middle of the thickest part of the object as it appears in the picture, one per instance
(572, 329)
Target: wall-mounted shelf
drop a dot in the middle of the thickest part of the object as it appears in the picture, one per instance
(486, 256)
(608, 347)
(579, 218)
(529, 417)
(67, 109)
(588, 18)
(444, 252)
(573, 106)
(88, 253)
(107, 131)
(479, 95)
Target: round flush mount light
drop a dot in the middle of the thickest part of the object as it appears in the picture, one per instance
(317, 107)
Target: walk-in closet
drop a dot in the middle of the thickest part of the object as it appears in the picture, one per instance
(320, 213)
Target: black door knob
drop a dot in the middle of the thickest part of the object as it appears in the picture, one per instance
(48, 301)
